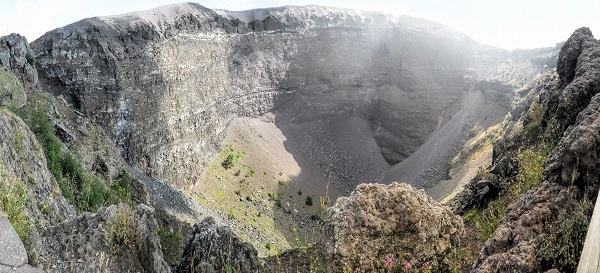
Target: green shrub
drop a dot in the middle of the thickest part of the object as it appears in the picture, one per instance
(229, 161)
(531, 167)
(30, 58)
(230, 214)
(487, 220)
(533, 128)
(269, 246)
(309, 200)
(122, 188)
(170, 245)
(561, 245)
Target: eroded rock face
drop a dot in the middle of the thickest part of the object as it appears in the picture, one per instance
(512, 248)
(578, 69)
(377, 222)
(13, 51)
(16, 73)
(575, 160)
(571, 104)
(569, 55)
(212, 248)
(167, 82)
(81, 244)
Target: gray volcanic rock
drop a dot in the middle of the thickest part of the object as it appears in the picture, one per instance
(575, 160)
(166, 82)
(569, 55)
(571, 112)
(13, 257)
(16, 74)
(512, 247)
(13, 51)
(578, 71)
(212, 248)
(377, 222)
(81, 244)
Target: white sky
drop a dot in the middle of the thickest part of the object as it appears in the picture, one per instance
(504, 23)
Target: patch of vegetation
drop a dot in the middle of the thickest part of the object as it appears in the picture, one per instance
(30, 58)
(170, 245)
(82, 189)
(309, 200)
(487, 220)
(534, 127)
(13, 197)
(230, 214)
(9, 86)
(249, 198)
(269, 246)
(231, 159)
(238, 192)
(280, 183)
(561, 245)
(531, 167)
(277, 198)
(122, 188)
(220, 194)
(121, 232)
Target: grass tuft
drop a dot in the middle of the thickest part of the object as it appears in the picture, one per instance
(121, 231)
(13, 197)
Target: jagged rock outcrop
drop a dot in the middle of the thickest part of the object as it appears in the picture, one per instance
(17, 56)
(377, 222)
(575, 161)
(17, 70)
(213, 248)
(83, 245)
(578, 71)
(570, 104)
(165, 83)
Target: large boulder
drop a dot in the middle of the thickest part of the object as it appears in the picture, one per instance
(377, 222)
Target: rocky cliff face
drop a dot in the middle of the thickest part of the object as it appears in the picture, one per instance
(166, 82)
(546, 226)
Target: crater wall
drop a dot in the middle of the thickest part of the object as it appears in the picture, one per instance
(167, 82)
